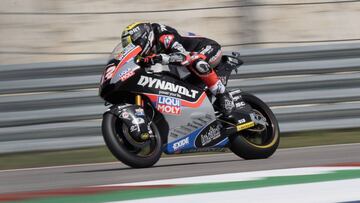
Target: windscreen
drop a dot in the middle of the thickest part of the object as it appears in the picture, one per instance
(119, 52)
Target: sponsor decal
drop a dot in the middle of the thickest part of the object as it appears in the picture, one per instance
(133, 128)
(125, 52)
(241, 121)
(245, 126)
(165, 85)
(134, 30)
(184, 102)
(212, 134)
(240, 104)
(127, 74)
(229, 105)
(167, 40)
(169, 105)
(162, 27)
(176, 45)
(180, 144)
(125, 115)
(138, 121)
(139, 112)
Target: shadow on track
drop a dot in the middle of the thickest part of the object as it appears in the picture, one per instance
(157, 166)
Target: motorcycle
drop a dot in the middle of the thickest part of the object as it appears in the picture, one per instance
(172, 112)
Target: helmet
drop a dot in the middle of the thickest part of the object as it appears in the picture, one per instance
(140, 34)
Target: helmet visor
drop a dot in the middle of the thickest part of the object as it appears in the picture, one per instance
(126, 40)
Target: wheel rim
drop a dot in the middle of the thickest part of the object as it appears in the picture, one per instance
(261, 136)
(147, 151)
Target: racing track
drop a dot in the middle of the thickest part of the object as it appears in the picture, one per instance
(172, 167)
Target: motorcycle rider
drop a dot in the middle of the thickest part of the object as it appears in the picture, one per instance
(163, 44)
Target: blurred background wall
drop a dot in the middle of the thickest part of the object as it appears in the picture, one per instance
(42, 30)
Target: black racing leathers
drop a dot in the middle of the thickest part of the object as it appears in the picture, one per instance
(199, 54)
(178, 48)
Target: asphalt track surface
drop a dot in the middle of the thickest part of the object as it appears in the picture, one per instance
(173, 167)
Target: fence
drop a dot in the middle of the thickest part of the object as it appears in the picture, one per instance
(55, 105)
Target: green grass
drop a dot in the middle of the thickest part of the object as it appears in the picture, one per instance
(53, 158)
(101, 154)
(314, 138)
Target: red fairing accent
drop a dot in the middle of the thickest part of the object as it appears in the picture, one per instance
(167, 40)
(210, 79)
(195, 104)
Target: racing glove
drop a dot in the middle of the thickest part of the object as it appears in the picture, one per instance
(165, 59)
(150, 60)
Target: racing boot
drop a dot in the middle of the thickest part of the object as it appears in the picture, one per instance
(228, 103)
(217, 88)
(225, 102)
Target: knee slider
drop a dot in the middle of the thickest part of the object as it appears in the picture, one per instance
(202, 67)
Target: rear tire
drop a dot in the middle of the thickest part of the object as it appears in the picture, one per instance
(112, 130)
(241, 143)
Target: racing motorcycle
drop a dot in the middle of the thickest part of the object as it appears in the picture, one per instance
(172, 111)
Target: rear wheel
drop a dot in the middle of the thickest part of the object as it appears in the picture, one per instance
(114, 130)
(261, 141)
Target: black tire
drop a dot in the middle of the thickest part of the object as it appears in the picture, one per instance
(241, 143)
(122, 150)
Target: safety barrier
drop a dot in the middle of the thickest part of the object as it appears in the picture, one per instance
(56, 105)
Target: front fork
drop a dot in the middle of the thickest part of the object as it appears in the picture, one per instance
(138, 100)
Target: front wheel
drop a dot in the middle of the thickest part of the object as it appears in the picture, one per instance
(113, 130)
(259, 142)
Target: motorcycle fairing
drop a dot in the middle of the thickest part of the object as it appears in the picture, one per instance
(205, 137)
(121, 67)
(184, 107)
(183, 116)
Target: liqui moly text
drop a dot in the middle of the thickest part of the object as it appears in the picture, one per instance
(168, 105)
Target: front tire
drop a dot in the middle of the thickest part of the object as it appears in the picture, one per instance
(113, 129)
(252, 144)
